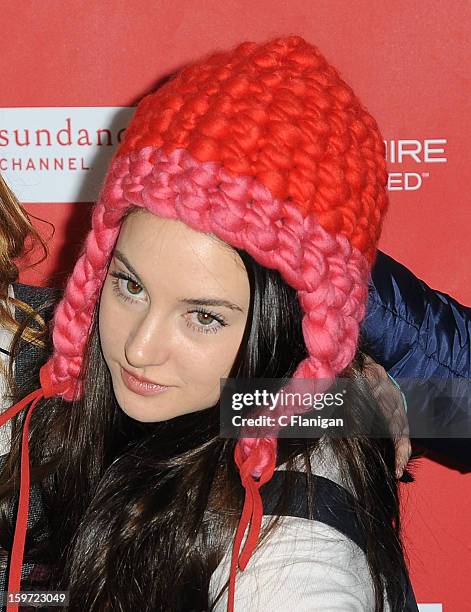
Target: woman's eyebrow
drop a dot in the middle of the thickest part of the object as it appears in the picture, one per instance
(189, 301)
(123, 259)
(211, 302)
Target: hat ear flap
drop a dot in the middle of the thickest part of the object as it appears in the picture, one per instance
(331, 341)
(333, 301)
(73, 316)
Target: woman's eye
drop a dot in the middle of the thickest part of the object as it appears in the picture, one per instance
(204, 318)
(126, 288)
(205, 322)
(133, 287)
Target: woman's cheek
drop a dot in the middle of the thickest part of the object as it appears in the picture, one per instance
(220, 362)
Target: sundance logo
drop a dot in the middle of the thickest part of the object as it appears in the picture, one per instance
(59, 154)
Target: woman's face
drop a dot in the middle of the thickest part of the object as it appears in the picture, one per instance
(172, 315)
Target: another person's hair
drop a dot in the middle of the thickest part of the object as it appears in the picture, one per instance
(140, 514)
(18, 238)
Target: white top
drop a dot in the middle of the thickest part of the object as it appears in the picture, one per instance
(304, 565)
(6, 338)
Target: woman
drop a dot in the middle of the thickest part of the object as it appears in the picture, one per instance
(233, 239)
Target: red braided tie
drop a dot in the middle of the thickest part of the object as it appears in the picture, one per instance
(252, 511)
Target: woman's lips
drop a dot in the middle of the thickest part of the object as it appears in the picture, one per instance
(141, 386)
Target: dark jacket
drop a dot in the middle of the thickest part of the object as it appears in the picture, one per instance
(418, 333)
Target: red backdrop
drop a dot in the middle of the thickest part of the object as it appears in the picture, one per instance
(407, 61)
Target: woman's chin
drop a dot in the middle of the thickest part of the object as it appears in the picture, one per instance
(143, 416)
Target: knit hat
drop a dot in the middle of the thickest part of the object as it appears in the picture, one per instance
(266, 147)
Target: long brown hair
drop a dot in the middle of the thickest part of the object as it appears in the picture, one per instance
(18, 238)
(141, 514)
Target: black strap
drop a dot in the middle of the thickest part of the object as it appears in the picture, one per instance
(333, 506)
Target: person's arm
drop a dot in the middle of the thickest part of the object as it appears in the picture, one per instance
(413, 329)
(416, 332)
(304, 565)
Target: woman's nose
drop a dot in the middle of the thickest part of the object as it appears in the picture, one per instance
(149, 342)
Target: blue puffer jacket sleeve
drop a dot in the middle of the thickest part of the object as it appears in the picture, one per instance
(418, 333)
